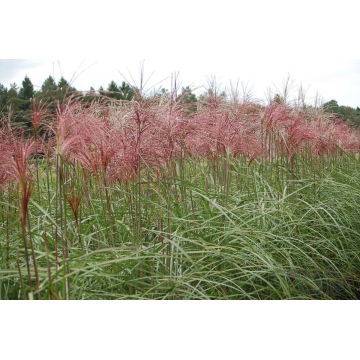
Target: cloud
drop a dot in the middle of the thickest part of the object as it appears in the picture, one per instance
(14, 70)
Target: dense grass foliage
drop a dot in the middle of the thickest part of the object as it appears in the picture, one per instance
(141, 200)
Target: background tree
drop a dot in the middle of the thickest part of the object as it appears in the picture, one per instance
(64, 90)
(278, 99)
(52, 93)
(122, 92)
(3, 98)
(113, 90)
(127, 92)
(189, 98)
(47, 94)
(49, 85)
(13, 98)
(91, 95)
(331, 106)
(102, 91)
(26, 93)
(212, 97)
(346, 113)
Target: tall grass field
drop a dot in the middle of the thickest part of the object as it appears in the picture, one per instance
(145, 199)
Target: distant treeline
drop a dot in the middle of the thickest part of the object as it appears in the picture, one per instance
(344, 112)
(17, 102)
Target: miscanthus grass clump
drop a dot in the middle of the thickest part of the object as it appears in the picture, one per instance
(141, 200)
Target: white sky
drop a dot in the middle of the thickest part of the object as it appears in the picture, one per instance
(258, 43)
(331, 79)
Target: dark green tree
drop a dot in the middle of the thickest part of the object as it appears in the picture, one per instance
(102, 92)
(64, 89)
(331, 106)
(26, 93)
(13, 98)
(126, 91)
(63, 85)
(47, 94)
(122, 92)
(49, 85)
(52, 93)
(346, 113)
(3, 98)
(278, 99)
(189, 98)
(113, 90)
(91, 95)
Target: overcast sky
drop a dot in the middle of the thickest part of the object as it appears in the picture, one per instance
(251, 43)
(331, 79)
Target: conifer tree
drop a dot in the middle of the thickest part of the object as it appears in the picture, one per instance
(26, 93)
(13, 97)
(3, 98)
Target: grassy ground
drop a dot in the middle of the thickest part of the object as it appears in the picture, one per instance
(196, 229)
